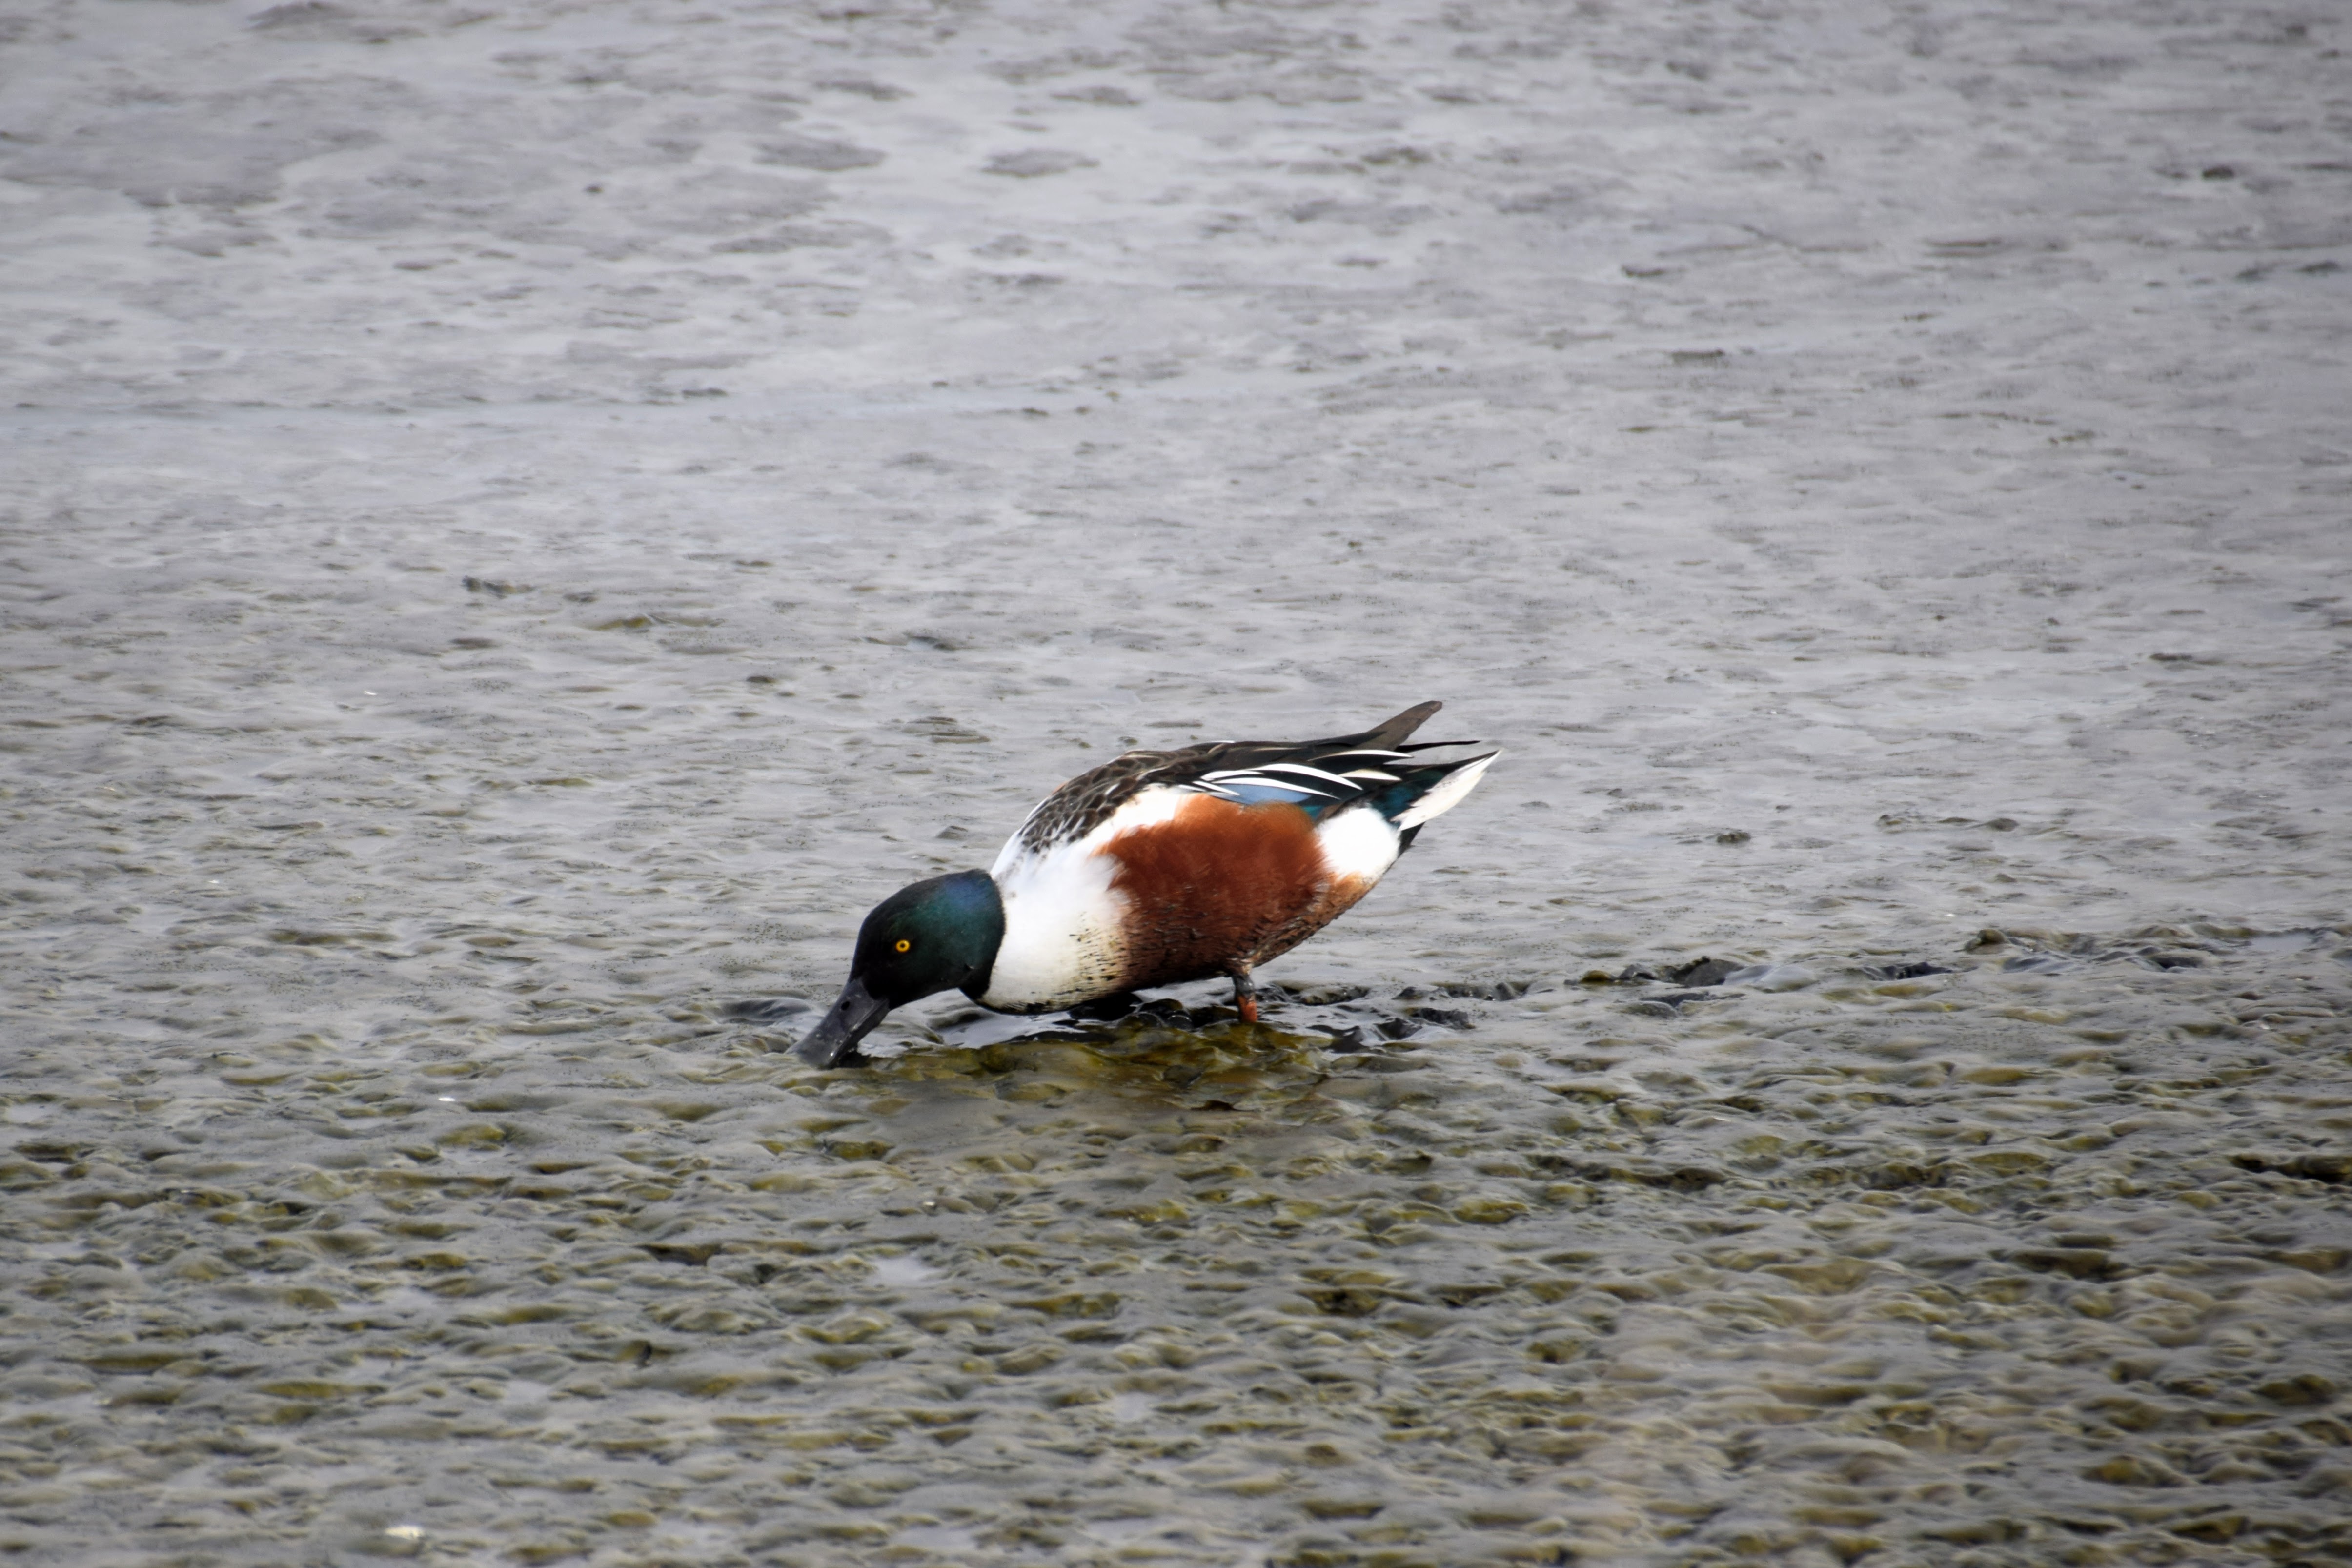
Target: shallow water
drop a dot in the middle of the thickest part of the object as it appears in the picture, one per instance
(522, 523)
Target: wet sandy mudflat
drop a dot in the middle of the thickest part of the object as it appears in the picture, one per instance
(523, 520)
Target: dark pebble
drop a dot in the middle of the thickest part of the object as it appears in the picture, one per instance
(1910, 970)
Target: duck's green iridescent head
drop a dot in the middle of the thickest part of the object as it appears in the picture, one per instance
(938, 935)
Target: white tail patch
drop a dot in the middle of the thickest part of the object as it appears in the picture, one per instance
(1448, 793)
(1359, 845)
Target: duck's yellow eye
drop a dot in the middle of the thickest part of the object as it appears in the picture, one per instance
(904, 944)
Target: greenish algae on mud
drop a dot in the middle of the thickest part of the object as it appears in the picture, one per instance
(1801, 1272)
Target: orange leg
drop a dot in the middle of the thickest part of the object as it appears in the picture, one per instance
(1245, 994)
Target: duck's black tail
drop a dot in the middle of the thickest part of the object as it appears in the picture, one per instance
(1431, 790)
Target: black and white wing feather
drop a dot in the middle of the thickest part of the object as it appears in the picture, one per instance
(1378, 766)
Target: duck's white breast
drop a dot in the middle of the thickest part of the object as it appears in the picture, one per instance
(1064, 926)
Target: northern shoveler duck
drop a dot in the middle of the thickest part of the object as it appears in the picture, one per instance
(1155, 869)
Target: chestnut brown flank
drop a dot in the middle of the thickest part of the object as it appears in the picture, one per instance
(1219, 886)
